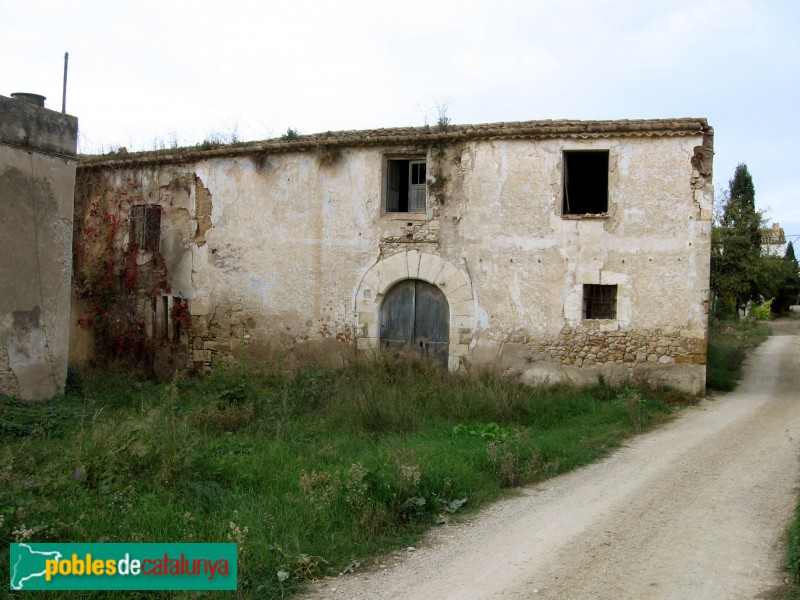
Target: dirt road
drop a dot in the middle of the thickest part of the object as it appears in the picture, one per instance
(697, 509)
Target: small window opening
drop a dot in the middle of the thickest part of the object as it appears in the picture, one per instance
(599, 301)
(145, 226)
(177, 312)
(164, 324)
(153, 317)
(158, 326)
(406, 186)
(585, 182)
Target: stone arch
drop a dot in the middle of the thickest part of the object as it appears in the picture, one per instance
(454, 284)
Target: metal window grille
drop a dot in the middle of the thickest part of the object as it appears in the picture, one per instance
(599, 301)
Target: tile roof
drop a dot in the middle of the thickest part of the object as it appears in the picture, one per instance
(773, 236)
(415, 135)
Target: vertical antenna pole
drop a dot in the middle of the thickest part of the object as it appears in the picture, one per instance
(64, 94)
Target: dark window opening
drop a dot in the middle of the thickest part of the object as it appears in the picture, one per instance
(599, 301)
(164, 324)
(177, 313)
(406, 186)
(146, 226)
(154, 317)
(585, 182)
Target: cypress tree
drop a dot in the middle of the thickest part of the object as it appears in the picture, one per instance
(736, 245)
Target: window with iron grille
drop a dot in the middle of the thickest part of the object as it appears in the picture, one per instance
(146, 226)
(599, 301)
(406, 185)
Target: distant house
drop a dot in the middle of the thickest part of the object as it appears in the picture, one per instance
(548, 250)
(773, 241)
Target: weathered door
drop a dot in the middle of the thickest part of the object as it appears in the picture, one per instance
(415, 315)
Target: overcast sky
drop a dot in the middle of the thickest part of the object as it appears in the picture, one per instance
(147, 74)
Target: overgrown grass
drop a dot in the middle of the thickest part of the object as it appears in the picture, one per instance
(792, 565)
(729, 342)
(307, 472)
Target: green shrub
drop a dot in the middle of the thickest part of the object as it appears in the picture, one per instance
(763, 311)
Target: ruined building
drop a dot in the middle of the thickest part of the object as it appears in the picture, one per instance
(545, 249)
(38, 154)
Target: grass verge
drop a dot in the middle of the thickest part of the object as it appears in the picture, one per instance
(309, 472)
(792, 564)
(728, 344)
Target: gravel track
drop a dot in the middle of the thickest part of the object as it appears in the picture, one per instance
(697, 509)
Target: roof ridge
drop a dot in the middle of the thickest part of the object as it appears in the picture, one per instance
(542, 129)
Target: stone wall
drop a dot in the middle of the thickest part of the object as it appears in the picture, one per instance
(587, 346)
(37, 182)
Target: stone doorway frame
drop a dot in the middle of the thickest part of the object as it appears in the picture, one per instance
(454, 284)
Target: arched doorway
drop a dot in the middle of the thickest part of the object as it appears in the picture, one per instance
(415, 316)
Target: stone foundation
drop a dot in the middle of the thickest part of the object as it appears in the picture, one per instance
(588, 346)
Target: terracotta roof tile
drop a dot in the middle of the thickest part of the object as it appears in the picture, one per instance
(416, 135)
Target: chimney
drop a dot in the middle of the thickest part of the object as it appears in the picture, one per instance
(35, 99)
(776, 226)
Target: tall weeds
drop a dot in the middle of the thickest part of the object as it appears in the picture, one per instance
(308, 472)
(728, 344)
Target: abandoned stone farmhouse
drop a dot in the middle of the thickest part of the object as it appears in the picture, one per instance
(547, 249)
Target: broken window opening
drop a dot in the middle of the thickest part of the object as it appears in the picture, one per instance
(599, 301)
(164, 324)
(157, 323)
(406, 186)
(146, 227)
(585, 190)
(178, 309)
(153, 329)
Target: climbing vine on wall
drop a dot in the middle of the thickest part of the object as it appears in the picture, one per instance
(115, 279)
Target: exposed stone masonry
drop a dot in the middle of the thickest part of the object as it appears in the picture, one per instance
(216, 336)
(586, 346)
(8, 380)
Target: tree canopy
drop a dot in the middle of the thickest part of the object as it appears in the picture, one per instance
(740, 272)
(789, 290)
(736, 244)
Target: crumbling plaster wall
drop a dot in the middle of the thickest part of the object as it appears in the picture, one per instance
(528, 262)
(295, 254)
(499, 221)
(37, 182)
(289, 240)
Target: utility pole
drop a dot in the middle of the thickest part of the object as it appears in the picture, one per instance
(64, 94)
